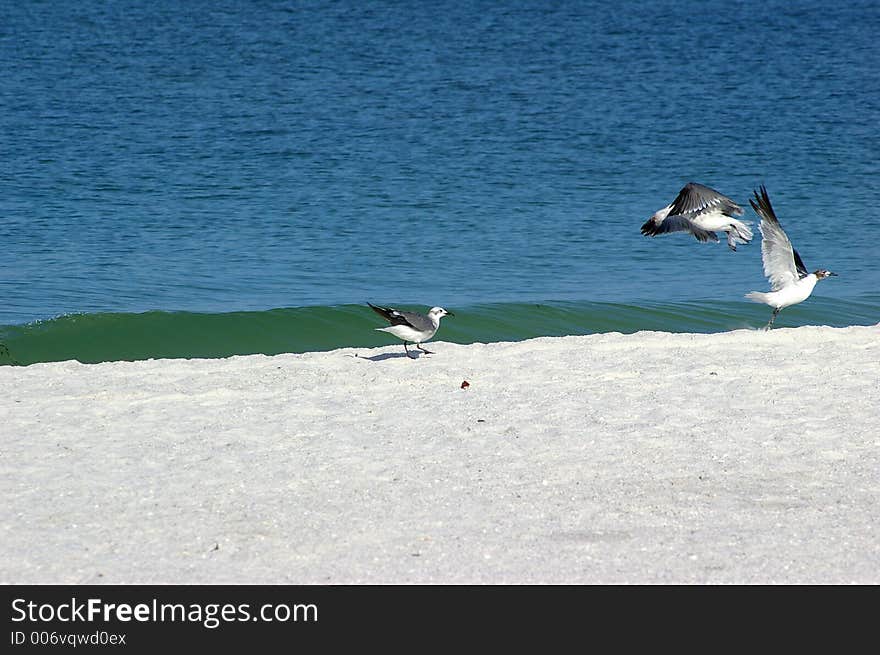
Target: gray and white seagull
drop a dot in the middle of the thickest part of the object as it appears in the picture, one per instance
(789, 281)
(701, 211)
(412, 327)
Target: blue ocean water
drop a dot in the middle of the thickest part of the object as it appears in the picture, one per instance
(223, 158)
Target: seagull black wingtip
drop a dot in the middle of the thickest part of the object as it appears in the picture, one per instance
(763, 207)
(384, 312)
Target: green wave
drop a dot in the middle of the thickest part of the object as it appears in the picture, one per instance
(100, 337)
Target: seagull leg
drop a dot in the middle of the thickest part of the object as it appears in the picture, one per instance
(773, 318)
(427, 352)
(408, 353)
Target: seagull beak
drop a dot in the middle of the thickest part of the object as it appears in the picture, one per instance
(450, 314)
(834, 274)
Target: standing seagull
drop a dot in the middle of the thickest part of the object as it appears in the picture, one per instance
(412, 327)
(700, 210)
(783, 266)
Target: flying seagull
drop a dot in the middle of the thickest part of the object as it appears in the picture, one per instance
(701, 211)
(783, 266)
(412, 327)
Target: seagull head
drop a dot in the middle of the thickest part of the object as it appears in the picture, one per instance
(438, 312)
(659, 215)
(822, 274)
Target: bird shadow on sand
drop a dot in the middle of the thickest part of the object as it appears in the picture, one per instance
(382, 357)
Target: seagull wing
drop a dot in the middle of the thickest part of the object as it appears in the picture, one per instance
(419, 321)
(414, 320)
(782, 264)
(695, 199)
(799, 264)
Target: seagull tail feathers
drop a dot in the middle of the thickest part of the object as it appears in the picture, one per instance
(744, 231)
(757, 296)
(741, 233)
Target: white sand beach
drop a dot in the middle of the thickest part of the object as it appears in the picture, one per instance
(743, 457)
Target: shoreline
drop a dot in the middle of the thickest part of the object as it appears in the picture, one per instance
(737, 457)
(114, 336)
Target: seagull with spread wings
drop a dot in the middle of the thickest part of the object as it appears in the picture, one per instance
(790, 283)
(701, 211)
